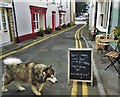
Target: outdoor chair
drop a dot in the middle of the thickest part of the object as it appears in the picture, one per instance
(113, 56)
(102, 46)
(99, 45)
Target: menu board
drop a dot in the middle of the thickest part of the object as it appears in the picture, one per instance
(80, 64)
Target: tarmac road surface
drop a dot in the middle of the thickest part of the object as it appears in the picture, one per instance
(53, 51)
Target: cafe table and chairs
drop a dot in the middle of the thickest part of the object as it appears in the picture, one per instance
(107, 41)
(113, 56)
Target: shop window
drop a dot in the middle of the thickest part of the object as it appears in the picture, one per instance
(4, 20)
(36, 21)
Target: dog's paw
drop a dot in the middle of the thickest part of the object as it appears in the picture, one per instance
(21, 89)
(4, 90)
(37, 93)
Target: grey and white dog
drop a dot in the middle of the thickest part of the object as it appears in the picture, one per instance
(33, 74)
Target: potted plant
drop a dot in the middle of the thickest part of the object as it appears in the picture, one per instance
(58, 28)
(64, 25)
(49, 30)
(69, 25)
(116, 32)
(41, 32)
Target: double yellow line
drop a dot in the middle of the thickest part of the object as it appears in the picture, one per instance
(74, 90)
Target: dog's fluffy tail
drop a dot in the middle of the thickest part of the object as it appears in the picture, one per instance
(12, 61)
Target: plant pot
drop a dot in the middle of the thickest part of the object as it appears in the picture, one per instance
(115, 37)
(49, 32)
(41, 34)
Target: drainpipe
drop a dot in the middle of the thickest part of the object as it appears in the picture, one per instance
(70, 12)
(109, 17)
(95, 14)
(15, 22)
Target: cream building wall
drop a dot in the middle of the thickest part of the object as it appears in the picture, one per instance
(72, 9)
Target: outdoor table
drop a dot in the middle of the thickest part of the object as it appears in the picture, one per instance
(108, 40)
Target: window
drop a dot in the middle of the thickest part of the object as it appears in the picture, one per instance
(36, 21)
(4, 20)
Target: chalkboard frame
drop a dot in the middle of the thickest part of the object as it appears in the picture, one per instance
(80, 49)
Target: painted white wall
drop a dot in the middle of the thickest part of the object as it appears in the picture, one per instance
(23, 14)
(67, 8)
(101, 9)
(92, 13)
(52, 7)
(23, 17)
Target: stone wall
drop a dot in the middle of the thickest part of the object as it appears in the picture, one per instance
(11, 24)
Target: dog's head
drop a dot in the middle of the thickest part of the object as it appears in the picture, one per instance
(50, 74)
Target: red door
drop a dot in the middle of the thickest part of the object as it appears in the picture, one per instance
(53, 20)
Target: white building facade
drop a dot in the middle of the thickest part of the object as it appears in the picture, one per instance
(31, 15)
(6, 23)
(99, 14)
(104, 15)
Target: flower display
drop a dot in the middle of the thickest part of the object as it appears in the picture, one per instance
(116, 32)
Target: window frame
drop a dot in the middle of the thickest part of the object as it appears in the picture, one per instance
(36, 22)
(3, 21)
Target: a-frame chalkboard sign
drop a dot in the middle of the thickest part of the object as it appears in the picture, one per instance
(80, 65)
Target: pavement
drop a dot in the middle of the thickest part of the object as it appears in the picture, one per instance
(108, 78)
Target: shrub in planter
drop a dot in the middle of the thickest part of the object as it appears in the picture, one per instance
(69, 25)
(58, 28)
(49, 30)
(64, 25)
(41, 32)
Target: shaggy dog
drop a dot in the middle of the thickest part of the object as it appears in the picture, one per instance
(31, 73)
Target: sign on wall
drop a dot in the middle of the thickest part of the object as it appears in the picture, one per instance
(5, 4)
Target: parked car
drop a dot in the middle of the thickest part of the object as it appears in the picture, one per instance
(80, 18)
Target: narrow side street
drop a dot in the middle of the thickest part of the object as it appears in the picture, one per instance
(53, 52)
(50, 52)
(79, 39)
